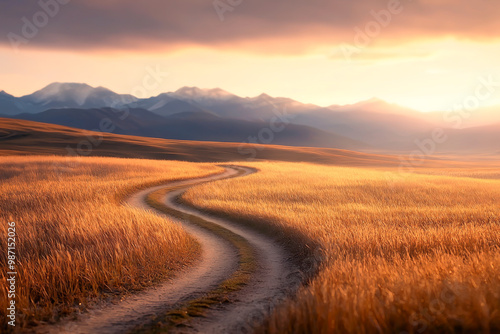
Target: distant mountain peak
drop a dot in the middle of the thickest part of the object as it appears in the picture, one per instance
(73, 95)
(369, 103)
(57, 88)
(194, 92)
(373, 100)
(264, 96)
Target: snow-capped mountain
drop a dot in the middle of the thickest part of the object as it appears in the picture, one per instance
(74, 95)
(200, 95)
(374, 121)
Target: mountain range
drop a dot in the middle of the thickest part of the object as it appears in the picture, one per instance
(191, 113)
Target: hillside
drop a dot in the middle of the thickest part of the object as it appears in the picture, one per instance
(28, 137)
(20, 137)
(194, 125)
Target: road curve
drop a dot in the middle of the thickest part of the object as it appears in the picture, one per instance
(275, 276)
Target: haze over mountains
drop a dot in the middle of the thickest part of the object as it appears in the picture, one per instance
(192, 113)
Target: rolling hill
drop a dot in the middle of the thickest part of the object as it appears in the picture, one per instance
(28, 138)
(195, 125)
(480, 139)
(21, 137)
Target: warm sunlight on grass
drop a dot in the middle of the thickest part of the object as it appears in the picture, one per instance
(75, 241)
(415, 253)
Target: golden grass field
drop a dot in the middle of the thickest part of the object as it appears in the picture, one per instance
(396, 252)
(399, 253)
(75, 241)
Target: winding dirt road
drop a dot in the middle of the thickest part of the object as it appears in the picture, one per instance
(274, 278)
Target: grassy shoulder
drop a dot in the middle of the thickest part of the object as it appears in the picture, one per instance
(223, 293)
(76, 243)
(399, 253)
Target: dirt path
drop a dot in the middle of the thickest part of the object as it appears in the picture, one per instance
(274, 277)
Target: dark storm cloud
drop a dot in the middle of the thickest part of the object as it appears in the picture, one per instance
(136, 24)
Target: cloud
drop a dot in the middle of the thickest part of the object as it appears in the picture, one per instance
(288, 26)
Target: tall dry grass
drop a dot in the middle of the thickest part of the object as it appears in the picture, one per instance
(416, 253)
(75, 241)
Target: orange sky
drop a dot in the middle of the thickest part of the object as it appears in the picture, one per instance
(427, 55)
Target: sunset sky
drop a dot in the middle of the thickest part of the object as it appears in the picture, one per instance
(425, 54)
